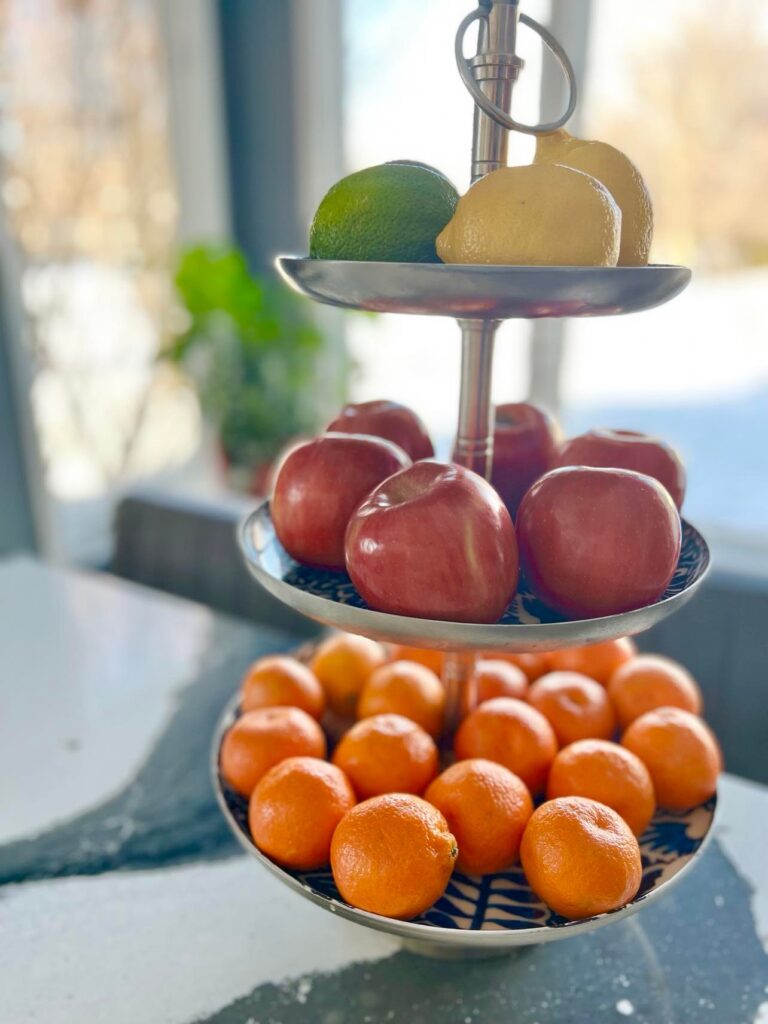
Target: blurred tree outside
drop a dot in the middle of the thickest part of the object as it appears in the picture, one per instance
(696, 123)
(89, 199)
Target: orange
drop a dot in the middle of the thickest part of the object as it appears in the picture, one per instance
(580, 857)
(387, 754)
(493, 677)
(576, 707)
(295, 809)
(277, 681)
(608, 773)
(511, 733)
(650, 681)
(681, 754)
(343, 663)
(393, 855)
(534, 664)
(598, 661)
(487, 809)
(422, 655)
(260, 739)
(405, 688)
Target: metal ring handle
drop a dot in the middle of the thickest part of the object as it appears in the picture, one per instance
(487, 106)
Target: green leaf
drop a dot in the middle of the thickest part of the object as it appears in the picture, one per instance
(249, 347)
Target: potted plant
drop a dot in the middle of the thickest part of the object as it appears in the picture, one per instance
(249, 346)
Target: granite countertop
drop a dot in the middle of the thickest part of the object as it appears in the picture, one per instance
(124, 897)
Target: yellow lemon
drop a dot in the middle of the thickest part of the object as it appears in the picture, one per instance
(534, 215)
(622, 179)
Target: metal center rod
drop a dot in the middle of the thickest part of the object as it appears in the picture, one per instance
(495, 68)
(474, 438)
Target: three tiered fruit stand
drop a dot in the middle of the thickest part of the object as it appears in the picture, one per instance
(497, 912)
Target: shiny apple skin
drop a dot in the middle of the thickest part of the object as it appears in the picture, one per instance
(394, 422)
(627, 449)
(434, 541)
(319, 486)
(598, 541)
(525, 442)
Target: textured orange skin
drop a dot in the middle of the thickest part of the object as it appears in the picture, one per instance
(648, 682)
(511, 733)
(681, 754)
(295, 809)
(260, 739)
(575, 706)
(343, 664)
(393, 855)
(278, 681)
(424, 656)
(608, 773)
(598, 661)
(487, 809)
(405, 688)
(387, 754)
(493, 677)
(534, 665)
(580, 857)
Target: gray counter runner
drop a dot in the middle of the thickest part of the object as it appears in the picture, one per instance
(124, 898)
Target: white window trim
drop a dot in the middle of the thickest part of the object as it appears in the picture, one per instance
(20, 369)
(196, 117)
(570, 24)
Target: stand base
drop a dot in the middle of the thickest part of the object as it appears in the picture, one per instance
(436, 951)
(489, 915)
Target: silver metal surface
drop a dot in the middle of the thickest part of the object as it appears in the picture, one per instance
(490, 76)
(474, 437)
(425, 939)
(492, 72)
(489, 103)
(483, 292)
(273, 568)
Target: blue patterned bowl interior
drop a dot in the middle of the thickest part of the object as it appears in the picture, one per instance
(525, 608)
(504, 901)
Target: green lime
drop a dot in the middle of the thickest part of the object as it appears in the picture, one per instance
(393, 212)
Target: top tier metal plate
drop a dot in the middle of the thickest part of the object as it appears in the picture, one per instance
(483, 292)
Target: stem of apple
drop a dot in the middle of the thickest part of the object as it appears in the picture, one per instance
(473, 450)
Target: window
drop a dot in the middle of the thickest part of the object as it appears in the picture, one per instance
(694, 371)
(404, 100)
(89, 200)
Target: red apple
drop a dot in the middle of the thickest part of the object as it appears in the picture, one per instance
(525, 441)
(277, 463)
(389, 420)
(598, 541)
(434, 541)
(627, 449)
(319, 486)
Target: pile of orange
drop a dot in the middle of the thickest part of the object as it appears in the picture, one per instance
(601, 734)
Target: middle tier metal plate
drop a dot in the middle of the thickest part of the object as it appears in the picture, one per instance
(483, 292)
(527, 625)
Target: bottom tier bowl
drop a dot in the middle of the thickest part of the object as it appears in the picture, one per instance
(492, 914)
